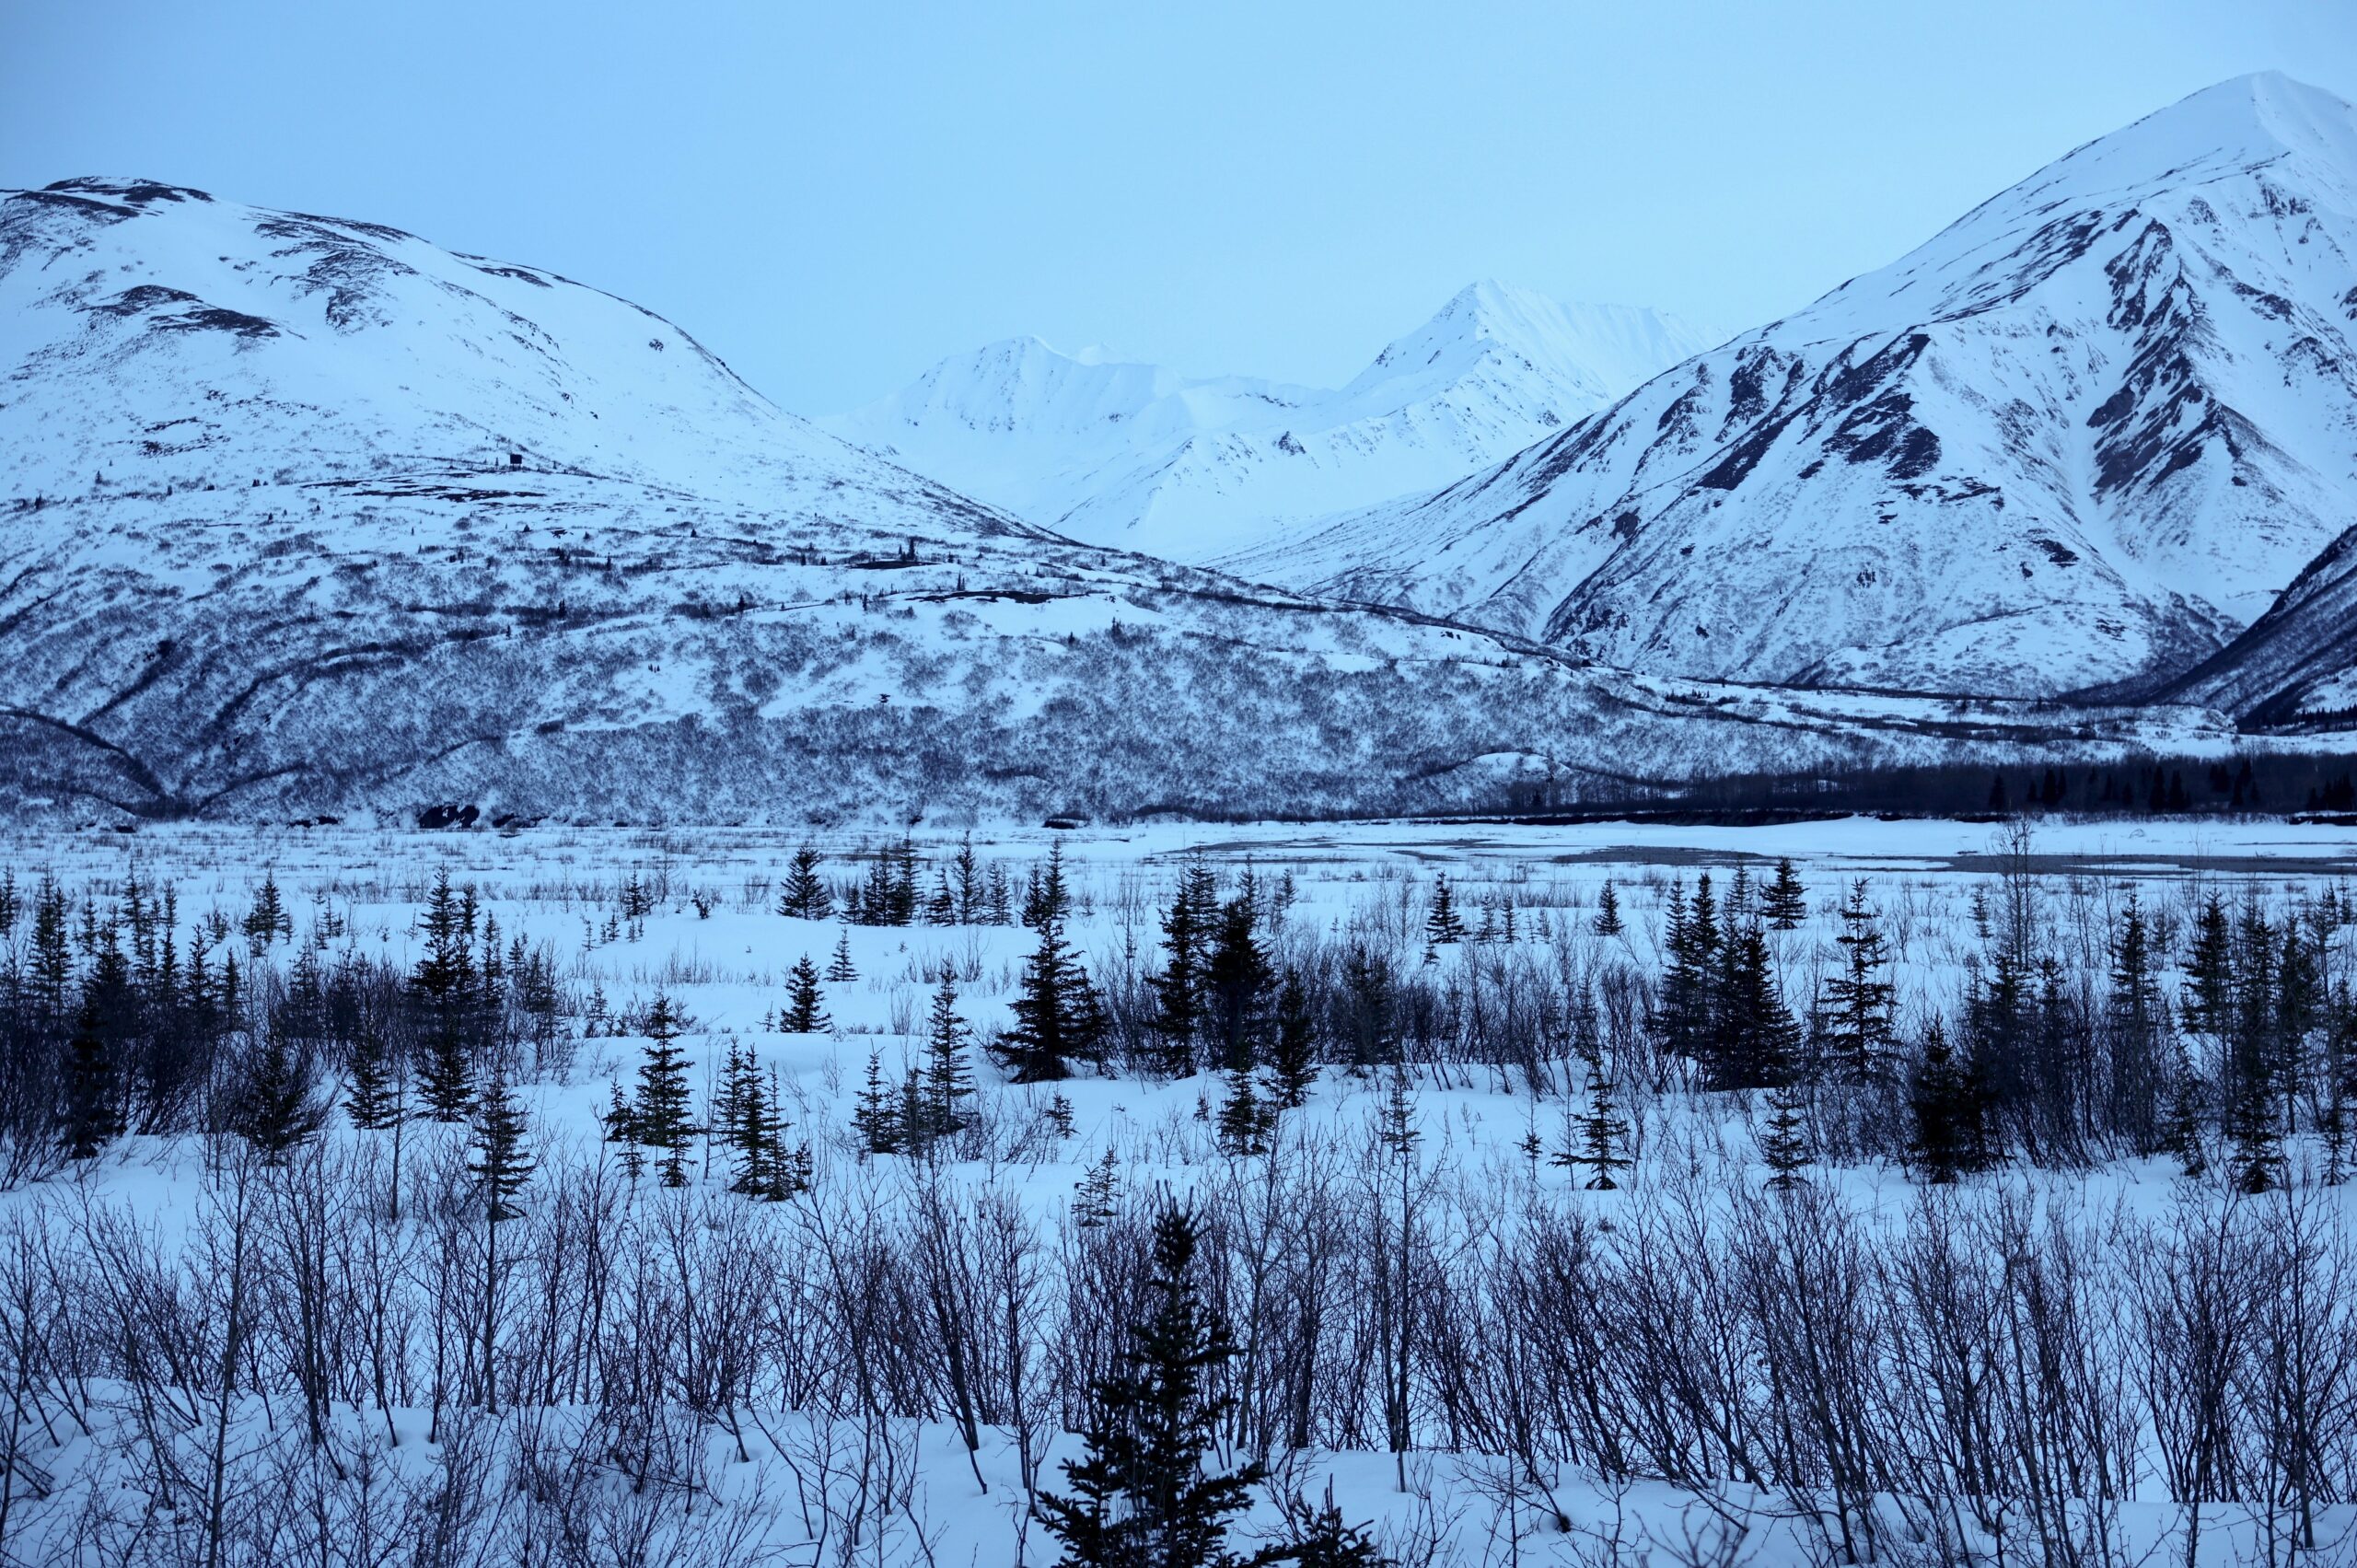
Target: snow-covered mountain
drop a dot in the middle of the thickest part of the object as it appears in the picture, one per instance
(2295, 667)
(1137, 457)
(2081, 437)
(300, 515)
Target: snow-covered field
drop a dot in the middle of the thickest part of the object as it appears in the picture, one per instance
(692, 1376)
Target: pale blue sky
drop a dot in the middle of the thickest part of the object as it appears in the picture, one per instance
(833, 197)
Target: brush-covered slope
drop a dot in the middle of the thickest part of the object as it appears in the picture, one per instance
(1136, 457)
(303, 516)
(2083, 436)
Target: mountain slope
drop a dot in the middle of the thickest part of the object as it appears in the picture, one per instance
(2081, 437)
(2296, 666)
(1136, 457)
(300, 516)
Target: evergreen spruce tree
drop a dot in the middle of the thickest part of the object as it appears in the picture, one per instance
(276, 1108)
(1294, 1059)
(1783, 1143)
(1784, 902)
(373, 1097)
(1757, 1043)
(268, 920)
(1854, 1022)
(806, 895)
(2208, 971)
(1323, 1539)
(1602, 1131)
(2299, 1009)
(660, 1115)
(500, 1162)
(1607, 912)
(2182, 1131)
(1369, 1009)
(1057, 1015)
(1943, 1141)
(948, 1075)
(2136, 1019)
(803, 1011)
(1097, 1193)
(878, 898)
(839, 971)
(972, 895)
(1187, 936)
(1147, 1492)
(1442, 925)
(904, 883)
(1245, 1119)
(620, 1132)
(91, 1118)
(876, 1116)
(1738, 909)
(2252, 1059)
(1237, 982)
(1690, 981)
(444, 991)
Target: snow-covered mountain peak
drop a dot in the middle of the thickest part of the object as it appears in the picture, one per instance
(2080, 437)
(2252, 152)
(1116, 452)
(154, 330)
(1598, 352)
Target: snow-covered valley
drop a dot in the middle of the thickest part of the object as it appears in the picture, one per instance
(885, 1362)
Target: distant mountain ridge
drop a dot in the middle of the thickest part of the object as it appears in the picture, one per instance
(2081, 438)
(1137, 457)
(306, 516)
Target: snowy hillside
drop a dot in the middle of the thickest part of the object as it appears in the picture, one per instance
(1137, 457)
(2296, 666)
(304, 514)
(2083, 436)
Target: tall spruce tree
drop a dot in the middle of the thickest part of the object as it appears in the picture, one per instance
(373, 1094)
(660, 1115)
(2253, 1057)
(806, 895)
(1179, 989)
(1756, 1042)
(1147, 1492)
(1237, 978)
(878, 1116)
(1442, 925)
(1855, 1026)
(1294, 1059)
(1784, 902)
(948, 1074)
(445, 994)
(2136, 1021)
(92, 1118)
(1058, 1016)
(1944, 1141)
(276, 1108)
(500, 1163)
(1607, 912)
(804, 1011)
